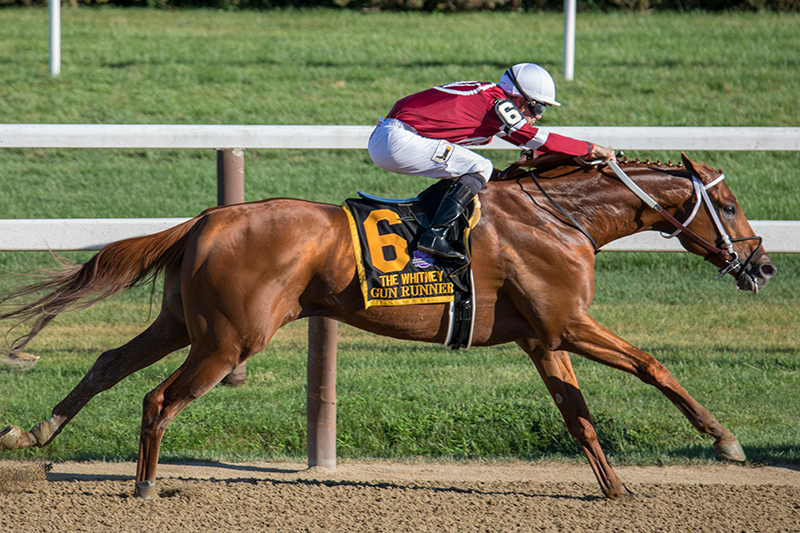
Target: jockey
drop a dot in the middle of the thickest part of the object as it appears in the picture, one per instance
(425, 134)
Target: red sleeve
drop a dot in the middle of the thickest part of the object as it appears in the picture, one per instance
(560, 144)
(533, 138)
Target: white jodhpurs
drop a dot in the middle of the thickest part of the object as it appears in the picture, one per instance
(396, 147)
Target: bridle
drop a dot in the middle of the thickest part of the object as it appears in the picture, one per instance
(724, 250)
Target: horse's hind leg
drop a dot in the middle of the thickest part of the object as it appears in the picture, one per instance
(165, 335)
(197, 375)
(559, 377)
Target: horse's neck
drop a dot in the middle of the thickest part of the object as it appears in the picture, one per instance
(670, 188)
(597, 199)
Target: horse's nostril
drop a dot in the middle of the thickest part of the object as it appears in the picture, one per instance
(767, 270)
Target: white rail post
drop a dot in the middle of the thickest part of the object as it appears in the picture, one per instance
(55, 37)
(569, 38)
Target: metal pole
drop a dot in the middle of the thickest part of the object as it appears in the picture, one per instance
(230, 176)
(569, 38)
(230, 190)
(55, 37)
(321, 392)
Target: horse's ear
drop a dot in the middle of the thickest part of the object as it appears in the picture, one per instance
(687, 162)
(697, 169)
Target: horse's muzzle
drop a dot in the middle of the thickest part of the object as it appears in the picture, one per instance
(756, 275)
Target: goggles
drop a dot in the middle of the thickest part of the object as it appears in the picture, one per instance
(537, 108)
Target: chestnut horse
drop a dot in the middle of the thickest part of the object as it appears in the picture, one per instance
(235, 274)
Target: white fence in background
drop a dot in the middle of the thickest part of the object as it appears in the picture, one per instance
(355, 137)
(82, 234)
(88, 234)
(65, 234)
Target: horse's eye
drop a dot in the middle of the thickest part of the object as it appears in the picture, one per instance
(729, 209)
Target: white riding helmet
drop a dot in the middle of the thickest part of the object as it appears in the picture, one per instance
(530, 81)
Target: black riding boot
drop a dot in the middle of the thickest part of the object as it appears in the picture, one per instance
(437, 240)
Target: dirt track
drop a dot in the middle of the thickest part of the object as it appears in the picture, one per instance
(396, 497)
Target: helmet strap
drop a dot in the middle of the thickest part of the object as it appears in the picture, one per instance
(513, 79)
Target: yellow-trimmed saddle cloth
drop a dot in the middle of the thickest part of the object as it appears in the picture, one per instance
(391, 271)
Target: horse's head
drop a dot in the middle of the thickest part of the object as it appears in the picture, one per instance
(721, 222)
(709, 220)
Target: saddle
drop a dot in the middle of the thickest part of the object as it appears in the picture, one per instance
(392, 271)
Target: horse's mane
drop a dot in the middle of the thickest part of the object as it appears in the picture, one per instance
(554, 166)
(582, 192)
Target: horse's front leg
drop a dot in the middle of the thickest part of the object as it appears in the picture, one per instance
(559, 377)
(587, 338)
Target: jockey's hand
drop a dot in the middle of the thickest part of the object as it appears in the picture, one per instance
(526, 159)
(601, 152)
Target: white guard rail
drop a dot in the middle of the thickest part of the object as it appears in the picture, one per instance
(780, 236)
(355, 137)
(90, 234)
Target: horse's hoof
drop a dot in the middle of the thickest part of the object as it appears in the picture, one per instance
(146, 490)
(9, 438)
(620, 493)
(21, 360)
(730, 449)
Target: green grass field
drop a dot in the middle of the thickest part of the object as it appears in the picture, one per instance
(736, 353)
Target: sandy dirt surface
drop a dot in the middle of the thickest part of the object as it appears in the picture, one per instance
(396, 497)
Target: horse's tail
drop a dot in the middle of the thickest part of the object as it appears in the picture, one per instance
(116, 267)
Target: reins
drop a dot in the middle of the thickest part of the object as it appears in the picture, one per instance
(577, 225)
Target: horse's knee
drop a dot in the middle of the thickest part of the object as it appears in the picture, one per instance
(582, 429)
(157, 412)
(651, 372)
(153, 399)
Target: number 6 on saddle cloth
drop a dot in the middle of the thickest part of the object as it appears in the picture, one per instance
(391, 271)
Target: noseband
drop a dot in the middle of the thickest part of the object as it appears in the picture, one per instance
(724, 250)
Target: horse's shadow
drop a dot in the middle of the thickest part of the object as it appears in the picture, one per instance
(328, 483)
(70, 476)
